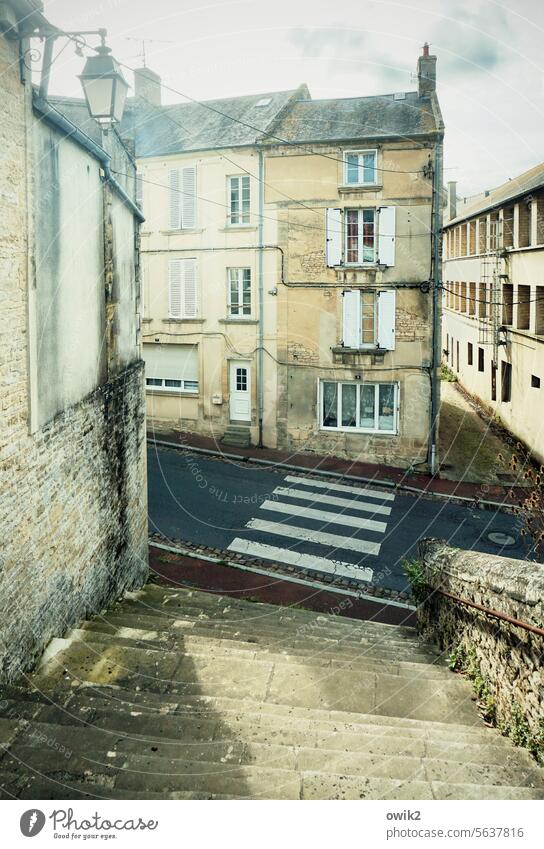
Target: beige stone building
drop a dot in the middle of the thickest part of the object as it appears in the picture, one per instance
(493, 302)
(288, 266)
(73, 509)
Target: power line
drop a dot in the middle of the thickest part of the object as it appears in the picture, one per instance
(263, 132)
(492, 303)
(258, 215)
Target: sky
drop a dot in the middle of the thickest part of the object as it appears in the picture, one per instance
(490, 61)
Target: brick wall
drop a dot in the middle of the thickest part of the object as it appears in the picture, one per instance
(73, 519)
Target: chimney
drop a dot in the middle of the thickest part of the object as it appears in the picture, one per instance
(147, 86)
(452, 200)
(426, 72)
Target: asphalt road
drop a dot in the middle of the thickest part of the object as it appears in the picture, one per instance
(357, 531)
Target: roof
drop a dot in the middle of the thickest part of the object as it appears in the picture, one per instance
(348, 119)
(509, 191)
(185, 127)
(75, 109)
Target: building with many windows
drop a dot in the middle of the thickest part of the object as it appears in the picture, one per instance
(287, 260)
(493, 302)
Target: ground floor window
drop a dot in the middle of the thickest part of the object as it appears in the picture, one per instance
(171, 368)
(365, 407)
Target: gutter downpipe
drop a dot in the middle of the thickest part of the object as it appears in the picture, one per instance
(436, 333)
(260, 277)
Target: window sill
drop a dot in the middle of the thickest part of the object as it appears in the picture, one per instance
(234, 320)
(362, 187)
(359, 431)
(234, 227)
(341, 349)
(146, 320)
(181, 231)
(183, 320)
(150, 390)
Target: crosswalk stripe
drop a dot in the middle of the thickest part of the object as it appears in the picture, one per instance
(320, 537)
(349, 503)
(296, 558)
(340, 487)
(325, 516)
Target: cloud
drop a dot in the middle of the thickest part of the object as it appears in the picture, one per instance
(333, 41)
(471, 43)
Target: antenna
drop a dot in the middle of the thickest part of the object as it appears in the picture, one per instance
(143, 42)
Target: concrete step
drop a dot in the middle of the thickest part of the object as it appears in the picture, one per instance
(238, 435)
(277, 637)
(368, 655)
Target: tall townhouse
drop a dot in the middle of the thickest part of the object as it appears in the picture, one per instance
(353, 183)
(73, 507)
(493, 302)
(209, 259)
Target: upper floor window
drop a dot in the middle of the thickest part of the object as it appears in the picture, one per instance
(360, 167)
(360, 236)
(368, 318)
(239, 199)
(182, 189)
(182, 288)
(239, 293)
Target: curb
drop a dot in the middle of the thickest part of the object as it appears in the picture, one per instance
(463, 499)
(258, 570)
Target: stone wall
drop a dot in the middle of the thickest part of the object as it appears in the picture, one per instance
(73, 517)
(510, 657)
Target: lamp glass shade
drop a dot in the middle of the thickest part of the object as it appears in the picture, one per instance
(104, 87)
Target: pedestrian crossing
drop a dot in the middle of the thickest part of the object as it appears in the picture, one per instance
(333, 528)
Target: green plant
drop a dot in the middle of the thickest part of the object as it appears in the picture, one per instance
(414, 573)
(447, 374)
(465, 660)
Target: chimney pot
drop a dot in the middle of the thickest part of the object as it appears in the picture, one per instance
(426, 49)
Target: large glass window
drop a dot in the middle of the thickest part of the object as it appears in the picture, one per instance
(365, 407)
(360, 168)
(360, 236)
(239, 292)
(239, 199)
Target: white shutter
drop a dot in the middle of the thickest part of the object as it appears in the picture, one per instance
(386, 320)
(175, 199)
(351, 319)
(334, 223)
(188, 202)
(190, 298)
(386, 235)
(174, 287)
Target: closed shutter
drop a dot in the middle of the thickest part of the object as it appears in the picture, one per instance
(188, 186)
(175, 199)
(334, 237)
(351, 319)
(170, 361)
(387, 235)
(174, 287)
(386, 320)
(190, 294)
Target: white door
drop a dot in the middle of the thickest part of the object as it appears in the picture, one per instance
(240, 391)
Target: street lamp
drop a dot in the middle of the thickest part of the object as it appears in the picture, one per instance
(104, 86)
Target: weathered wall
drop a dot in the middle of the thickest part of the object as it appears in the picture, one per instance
(511, 658)
(73, 518)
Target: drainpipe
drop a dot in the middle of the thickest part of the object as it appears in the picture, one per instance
(260, 279)
(436, 331)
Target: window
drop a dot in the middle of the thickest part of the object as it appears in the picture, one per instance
(264, 101)
(481, 359)
(368, 319)
(457, 351)
(493, 380)
(360, 236)
(506, 381)
(469, 353)
(524, 307)
(182, 183)
(539, 308)
(171, 368)
(239, 200)
(507, 303)
(182, 288)
(365, 407)
(360, 168)
(535, 382)
(239, 292)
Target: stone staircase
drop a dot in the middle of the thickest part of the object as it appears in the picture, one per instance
(237, 435)
(180, 694)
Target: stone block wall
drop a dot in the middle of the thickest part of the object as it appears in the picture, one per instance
(73, 517)
(511, 658)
